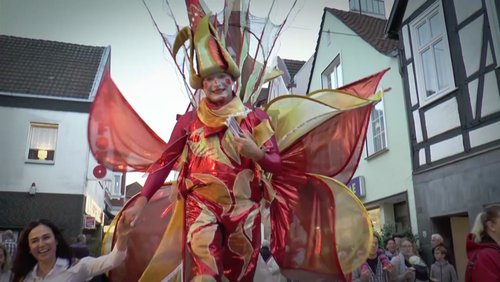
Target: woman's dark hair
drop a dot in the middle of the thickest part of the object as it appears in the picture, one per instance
(25, 261)
(386, 241)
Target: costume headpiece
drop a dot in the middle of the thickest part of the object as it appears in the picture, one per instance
(211, 56)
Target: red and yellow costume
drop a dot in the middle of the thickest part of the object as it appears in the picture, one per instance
(210, 229)
(219, 193)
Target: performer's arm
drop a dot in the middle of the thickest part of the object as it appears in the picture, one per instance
(271, 161)
(164, 165)
(267, 155)
(160, 170)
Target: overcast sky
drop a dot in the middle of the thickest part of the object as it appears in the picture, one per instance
(139, 64)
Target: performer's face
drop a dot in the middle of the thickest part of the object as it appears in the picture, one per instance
(218, 88)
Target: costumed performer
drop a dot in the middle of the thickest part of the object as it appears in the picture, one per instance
(219, 188)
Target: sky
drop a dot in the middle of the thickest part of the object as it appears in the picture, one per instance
(140, 65)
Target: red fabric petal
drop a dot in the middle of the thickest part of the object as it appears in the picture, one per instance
(118, 137)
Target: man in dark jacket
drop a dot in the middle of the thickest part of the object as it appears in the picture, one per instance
(80, 248)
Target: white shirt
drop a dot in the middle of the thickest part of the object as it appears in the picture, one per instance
(84, 270)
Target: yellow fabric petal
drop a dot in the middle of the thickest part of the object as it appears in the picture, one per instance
(295, 115)
(229, 148)
(263, 132)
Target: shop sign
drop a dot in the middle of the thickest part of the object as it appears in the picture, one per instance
(93, 209)
(89, 222)
(357, 186)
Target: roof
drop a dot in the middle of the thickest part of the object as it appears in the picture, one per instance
(48, 68)
(370, 29)
(133, 189)
(293, 66)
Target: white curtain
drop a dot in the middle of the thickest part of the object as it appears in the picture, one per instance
(43, 137)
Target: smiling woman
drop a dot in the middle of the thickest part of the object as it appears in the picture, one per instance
(43, 254)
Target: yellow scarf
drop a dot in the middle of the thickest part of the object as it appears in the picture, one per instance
(216, 118)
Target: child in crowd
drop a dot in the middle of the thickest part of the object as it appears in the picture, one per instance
(441, 270)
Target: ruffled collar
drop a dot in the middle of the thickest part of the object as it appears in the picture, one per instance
(215, 118)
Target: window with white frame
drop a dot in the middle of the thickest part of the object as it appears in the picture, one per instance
(432, 55)
(332, 76)
(376, 140)
(42, 142)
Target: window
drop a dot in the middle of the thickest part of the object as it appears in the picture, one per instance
(401, 217)
(376, 219)
(117, 183)
(432, 55)
(376, 136)
(332, 76)
(375, 7)
(42, 142)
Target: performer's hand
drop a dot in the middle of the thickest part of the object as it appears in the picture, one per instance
(123, 229)
(131, 214)
(247, 148)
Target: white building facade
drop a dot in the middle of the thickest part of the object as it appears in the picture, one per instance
(351, 46)
(46, 90)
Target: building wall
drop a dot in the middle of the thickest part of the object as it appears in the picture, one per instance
(455, 137)
(60, 187)
(465, 118)
(68, 173)
(389, 173)
(462, 189)
(302, 78)
(18, 209)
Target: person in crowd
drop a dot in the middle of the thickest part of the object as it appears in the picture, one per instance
(80, 248)
(397, 240)
(376, 267)
(442, 270)
(390, 248)
(436, 240)
(4, 264)
(9, 242)
(44, 255)
(483, 247)
(407, 266)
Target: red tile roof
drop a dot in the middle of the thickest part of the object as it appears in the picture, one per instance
(369, 28)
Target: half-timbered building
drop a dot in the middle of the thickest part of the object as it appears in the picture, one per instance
(449, 61)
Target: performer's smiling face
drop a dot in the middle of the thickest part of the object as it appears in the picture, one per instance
(218, 88)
